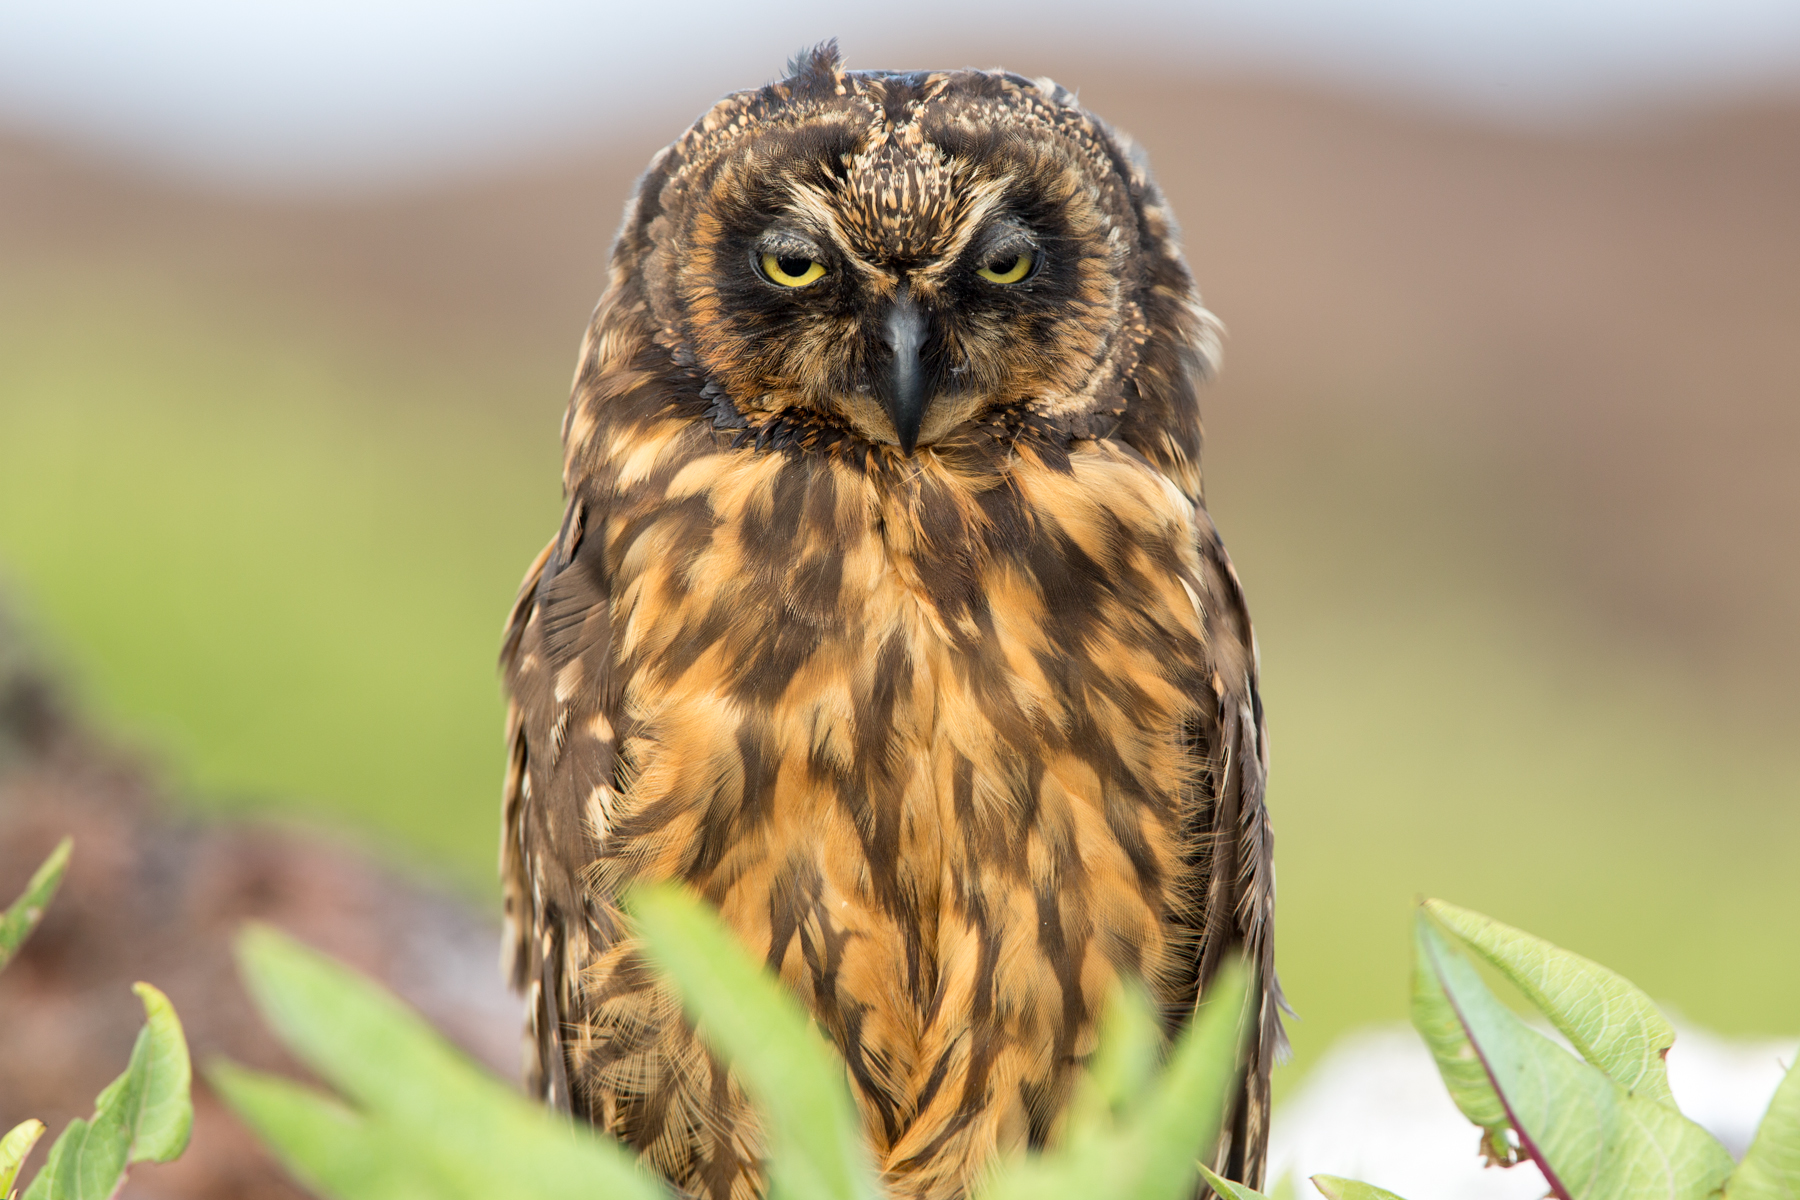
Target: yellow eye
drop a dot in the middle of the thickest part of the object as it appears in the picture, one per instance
(791, 270)
(1007, 270)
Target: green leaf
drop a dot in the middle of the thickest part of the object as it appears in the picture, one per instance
(332, 1150)
(86, 1163)
(1226, 1188)
(1335, 1188)
(438, 1113)
(1061, 1174)
(1098, 1129)
(1608, 1020)
(1457, 1062)
(1593, 1139)
(1182, 1117)
(1771, 1168)
(1124, 1063)
(155, 1111)
(1150, 1152)
(145, 1113)
(18, 921)
(13, 1149)
(815, 1139)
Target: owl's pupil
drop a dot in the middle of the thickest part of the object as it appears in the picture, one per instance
(793, 266)
(1002, 266)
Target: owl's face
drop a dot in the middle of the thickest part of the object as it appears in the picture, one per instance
(897, 255)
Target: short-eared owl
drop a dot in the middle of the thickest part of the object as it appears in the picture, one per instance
(886, 613)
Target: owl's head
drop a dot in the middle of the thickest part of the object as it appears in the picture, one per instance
(902, 256)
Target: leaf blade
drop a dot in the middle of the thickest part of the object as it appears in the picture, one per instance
(1150, 1151)
(1608, 1019)
(324, 1144)
(1227, 1188)
(1122, 1067)
(1771, 1167)
(86, 1163)
(1336, 1188)
(145, 1113)
(14, 1148)
(17, 922)
(1182, 1116)
(41, 1188)
(426, 1094)
(1459, 1066)
(1593, 1139)
(161, 1118)
(815, 1137)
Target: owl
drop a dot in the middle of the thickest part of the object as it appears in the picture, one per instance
(886, 615)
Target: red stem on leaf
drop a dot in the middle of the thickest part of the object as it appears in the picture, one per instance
(1525, 1143)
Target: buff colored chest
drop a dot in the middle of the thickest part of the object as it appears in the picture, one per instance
(919, 736)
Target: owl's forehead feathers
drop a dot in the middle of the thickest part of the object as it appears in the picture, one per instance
(893, 173)
(899, 198)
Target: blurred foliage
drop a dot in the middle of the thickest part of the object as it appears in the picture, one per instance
(422, 1121)
(145, 1115)
(814, 1134)
(17, 922)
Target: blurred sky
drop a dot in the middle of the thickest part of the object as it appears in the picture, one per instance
(327, 93)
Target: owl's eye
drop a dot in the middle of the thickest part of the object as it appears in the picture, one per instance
(1007, 268)
(791, 270)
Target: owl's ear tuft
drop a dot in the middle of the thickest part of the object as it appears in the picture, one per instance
(816, 67)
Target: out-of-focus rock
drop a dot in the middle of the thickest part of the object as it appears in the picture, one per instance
(152, 895)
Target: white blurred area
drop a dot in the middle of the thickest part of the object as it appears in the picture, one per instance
(313, 94)
(1375, 1109)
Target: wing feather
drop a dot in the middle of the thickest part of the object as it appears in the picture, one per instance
(556, 662)
(1239, 910)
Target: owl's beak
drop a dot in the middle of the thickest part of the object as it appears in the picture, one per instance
(907, 391)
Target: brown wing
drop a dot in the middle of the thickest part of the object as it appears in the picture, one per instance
(1232, 835)
(560, 773)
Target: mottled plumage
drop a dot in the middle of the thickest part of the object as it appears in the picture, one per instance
(886, 613)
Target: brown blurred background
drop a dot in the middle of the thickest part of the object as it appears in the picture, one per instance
(1506, 447)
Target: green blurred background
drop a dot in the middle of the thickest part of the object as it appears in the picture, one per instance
(1507, 449)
